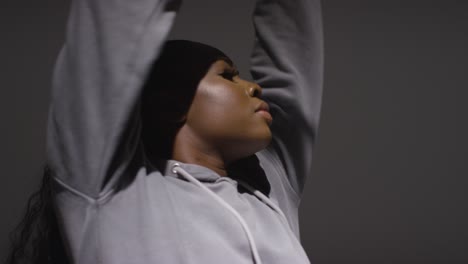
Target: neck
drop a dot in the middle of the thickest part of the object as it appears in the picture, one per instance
(189, 148)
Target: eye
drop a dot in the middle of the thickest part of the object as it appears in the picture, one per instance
(229, 74)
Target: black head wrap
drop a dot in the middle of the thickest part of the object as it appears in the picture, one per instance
(169, 90)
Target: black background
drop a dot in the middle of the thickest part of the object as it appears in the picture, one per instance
(390, 171)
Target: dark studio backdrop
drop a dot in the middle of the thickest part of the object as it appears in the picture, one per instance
(389, 183)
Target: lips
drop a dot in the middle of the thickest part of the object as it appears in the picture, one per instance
(263, 106)
(264, 110)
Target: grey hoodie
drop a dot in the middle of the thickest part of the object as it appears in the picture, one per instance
(114, 206)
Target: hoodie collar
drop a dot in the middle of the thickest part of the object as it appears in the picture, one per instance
(199, 172)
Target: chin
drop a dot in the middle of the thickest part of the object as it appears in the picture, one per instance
(244, 146)
(268, 138)
(262, 141)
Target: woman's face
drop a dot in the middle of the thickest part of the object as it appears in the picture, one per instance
(224, 113)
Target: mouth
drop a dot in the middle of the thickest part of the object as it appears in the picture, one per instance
(263, 106)
(264, 110)
(266, 115)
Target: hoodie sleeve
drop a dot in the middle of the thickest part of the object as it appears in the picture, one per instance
(93, 125)
(287, 62)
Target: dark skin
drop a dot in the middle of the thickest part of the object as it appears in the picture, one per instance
(222, 124)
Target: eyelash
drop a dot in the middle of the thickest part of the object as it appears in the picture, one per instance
(229, 74)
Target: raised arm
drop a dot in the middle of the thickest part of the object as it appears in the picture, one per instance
(287, 62)
(93, 126)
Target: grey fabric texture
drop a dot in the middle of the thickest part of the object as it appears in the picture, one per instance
(114, 206)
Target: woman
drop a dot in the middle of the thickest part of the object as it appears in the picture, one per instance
(161, 153)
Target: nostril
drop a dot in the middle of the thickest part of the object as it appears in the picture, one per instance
(255, 91)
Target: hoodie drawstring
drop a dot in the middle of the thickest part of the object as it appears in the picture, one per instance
(179, 170)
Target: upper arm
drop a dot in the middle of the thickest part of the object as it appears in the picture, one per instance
(93, 125)
(287, 62)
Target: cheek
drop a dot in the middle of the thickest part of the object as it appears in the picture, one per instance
(220, 109)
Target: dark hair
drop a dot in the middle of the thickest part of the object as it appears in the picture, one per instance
(166, 97)
(36, 239)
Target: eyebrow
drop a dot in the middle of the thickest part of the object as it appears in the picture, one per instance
(227, 60)
(233, 69)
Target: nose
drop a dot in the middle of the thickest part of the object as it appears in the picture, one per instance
(255, 90)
